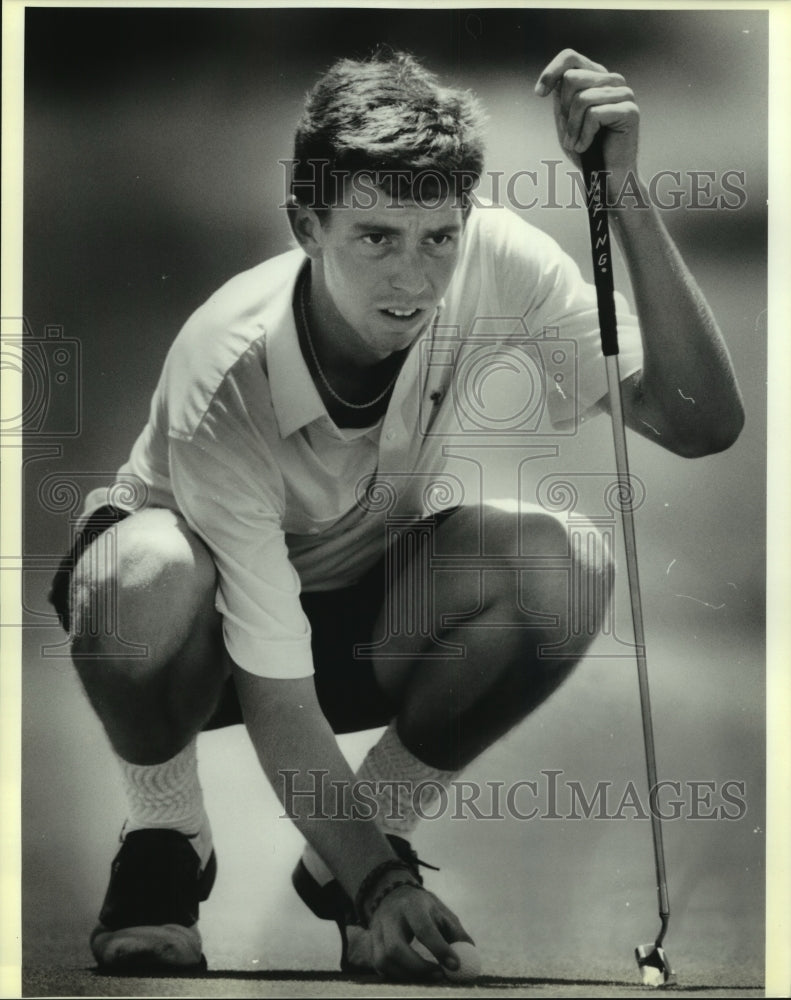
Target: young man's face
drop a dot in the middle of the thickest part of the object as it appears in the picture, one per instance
(381, 266)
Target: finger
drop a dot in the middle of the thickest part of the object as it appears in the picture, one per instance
(379, 952)
(399, 960)
(621, 117)
(392, 953)
(452, 928)
(437, 971)
(576, 80)
(439, 945)
(585, 100)
(563, 61)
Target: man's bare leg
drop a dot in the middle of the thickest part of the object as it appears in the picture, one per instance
(453, 709)
(156, 590)
(161, 580)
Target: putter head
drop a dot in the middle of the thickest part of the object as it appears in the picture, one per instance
(655, 970)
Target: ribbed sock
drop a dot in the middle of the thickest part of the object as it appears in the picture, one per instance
(168, 796)
(403, 787)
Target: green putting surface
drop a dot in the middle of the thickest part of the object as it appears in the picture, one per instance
(546, 898)
(283, 983)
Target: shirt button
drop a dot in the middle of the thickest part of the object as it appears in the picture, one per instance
(313, 531)
(390, 435)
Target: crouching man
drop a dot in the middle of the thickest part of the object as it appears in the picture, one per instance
(256, 572)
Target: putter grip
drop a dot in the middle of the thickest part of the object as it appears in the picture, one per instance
(596, 190)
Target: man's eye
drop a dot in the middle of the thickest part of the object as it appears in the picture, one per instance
(374, 239)
(440, 240)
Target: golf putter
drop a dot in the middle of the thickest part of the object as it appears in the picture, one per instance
(652, 961)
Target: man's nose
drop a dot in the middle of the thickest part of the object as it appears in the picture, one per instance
(409, 274)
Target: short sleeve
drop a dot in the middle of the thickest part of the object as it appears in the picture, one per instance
(238, 514)
(538, 281)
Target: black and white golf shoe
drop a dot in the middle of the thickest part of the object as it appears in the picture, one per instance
(149, 920)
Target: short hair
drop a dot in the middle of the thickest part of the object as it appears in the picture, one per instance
(388, 117)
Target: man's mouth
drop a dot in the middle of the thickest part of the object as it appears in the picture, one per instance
(401, 313)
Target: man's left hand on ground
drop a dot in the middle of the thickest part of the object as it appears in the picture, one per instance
(406, 915)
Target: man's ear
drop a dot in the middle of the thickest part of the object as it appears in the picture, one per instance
(306, 227)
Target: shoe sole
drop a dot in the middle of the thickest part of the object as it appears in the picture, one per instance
(154, 949)
(146, 950)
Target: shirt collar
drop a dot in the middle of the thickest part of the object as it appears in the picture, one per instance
(295, 399)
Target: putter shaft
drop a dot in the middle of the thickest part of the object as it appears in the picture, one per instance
(632, 573)
(594, 174)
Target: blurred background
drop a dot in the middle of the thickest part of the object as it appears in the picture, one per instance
(152, 147)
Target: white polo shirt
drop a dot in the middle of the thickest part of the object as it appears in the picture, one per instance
(239, 441)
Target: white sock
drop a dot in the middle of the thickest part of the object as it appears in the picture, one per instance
(386, 762)
(389, 761)
(168, 796)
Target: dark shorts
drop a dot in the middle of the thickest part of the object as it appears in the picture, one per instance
(346, 687)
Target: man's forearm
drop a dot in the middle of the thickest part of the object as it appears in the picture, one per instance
(688, 386)
(686, 398)
(290, 735)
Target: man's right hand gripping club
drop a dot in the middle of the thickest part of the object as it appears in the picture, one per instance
(290, 734)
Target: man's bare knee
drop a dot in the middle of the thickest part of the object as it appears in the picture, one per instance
(574, 569)
(504, 528)
(146, 638)
(143, 582)
(587, 577)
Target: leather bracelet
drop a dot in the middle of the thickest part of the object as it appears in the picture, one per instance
(376, 902)
(370, 881)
